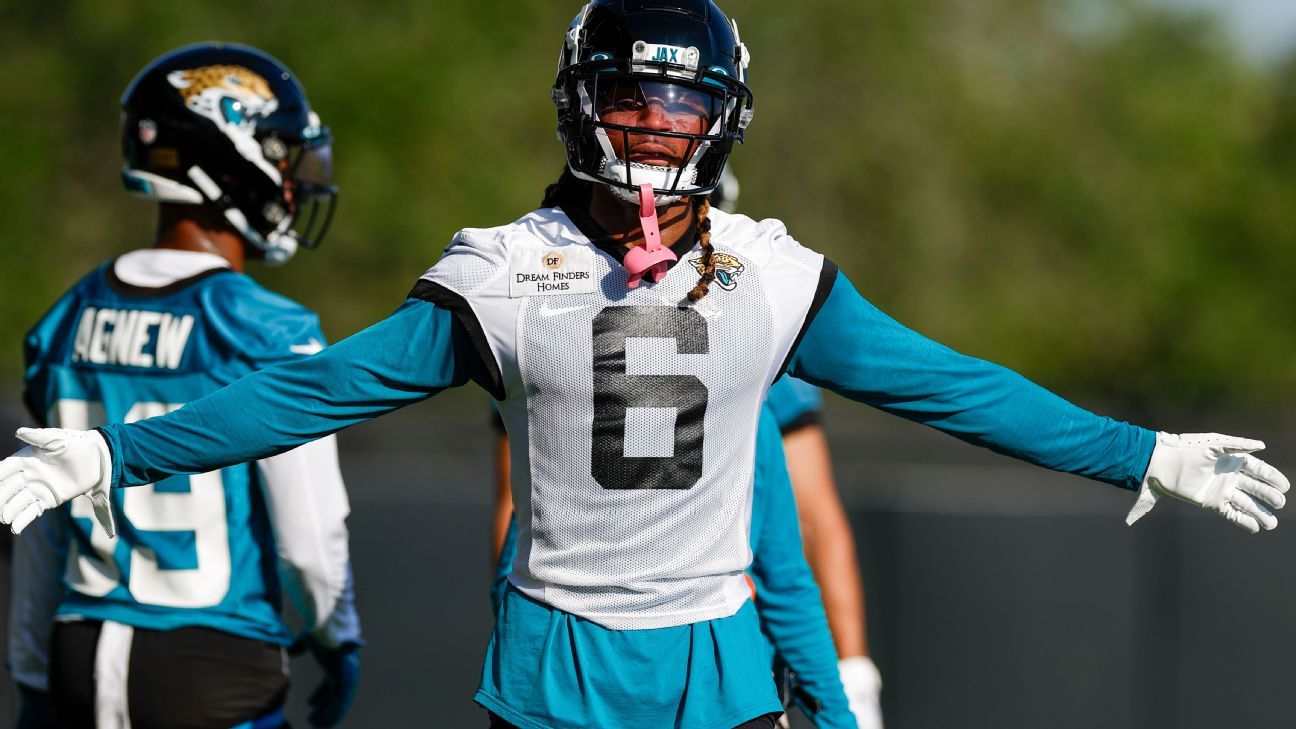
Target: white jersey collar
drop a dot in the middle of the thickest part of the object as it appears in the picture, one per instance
(153, 268)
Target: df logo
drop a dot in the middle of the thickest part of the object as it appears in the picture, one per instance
(552, 260)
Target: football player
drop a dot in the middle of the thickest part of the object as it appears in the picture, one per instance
(629, 334)
(787, 599)
(825, 528)
(829, 544)
(174, 618)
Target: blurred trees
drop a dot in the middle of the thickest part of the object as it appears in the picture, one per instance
(1098, 193)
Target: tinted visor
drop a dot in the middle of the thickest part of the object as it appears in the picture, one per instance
(313, 197)
(626, 101)
(313, 168)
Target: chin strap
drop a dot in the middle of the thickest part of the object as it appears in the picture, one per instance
(651, 258)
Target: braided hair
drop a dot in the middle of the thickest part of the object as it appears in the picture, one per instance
(702, 224)
(569, 185)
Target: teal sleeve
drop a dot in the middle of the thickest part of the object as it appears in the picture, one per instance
(787, 598)
(411, 355)
(795, 404)
(852, 348)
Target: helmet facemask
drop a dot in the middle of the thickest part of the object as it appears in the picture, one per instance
(280, 214)
(309, 192)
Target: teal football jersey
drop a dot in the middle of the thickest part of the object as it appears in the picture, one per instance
(192, 550)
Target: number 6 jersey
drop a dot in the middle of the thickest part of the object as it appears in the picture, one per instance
(631, 414)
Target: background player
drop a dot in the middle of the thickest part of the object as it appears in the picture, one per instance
(828, 542)
(178, 618)
(633, 543)
(825, 528)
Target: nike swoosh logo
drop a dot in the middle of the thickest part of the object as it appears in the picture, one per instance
(307, 349)
(547, 312)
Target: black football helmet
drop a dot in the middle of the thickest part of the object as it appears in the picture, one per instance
(671, 49)
(229, 125)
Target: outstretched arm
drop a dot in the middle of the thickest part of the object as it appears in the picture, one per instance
(893, 368)
(405, 358)
(416, 352)
(856, 350)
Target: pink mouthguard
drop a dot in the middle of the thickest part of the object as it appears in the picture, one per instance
(651, 258)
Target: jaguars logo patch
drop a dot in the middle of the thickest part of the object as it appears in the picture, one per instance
(727, 268)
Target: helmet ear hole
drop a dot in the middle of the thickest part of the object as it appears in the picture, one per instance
(274, 149)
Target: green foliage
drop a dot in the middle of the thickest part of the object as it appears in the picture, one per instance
(1096, 193)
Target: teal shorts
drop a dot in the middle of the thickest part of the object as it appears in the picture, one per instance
(546, 669)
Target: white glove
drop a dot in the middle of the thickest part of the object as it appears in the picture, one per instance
(1215, 472)
(58, 466)
(863, 684)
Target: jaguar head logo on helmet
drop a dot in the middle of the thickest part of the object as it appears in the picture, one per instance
(225, 94)
(228, 125)
(682, 58)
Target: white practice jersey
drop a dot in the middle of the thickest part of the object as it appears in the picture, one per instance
(631, 415)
